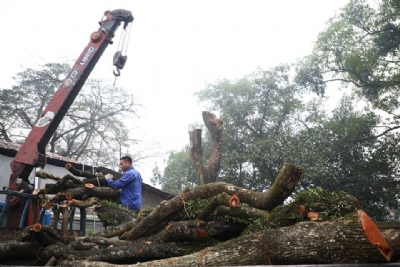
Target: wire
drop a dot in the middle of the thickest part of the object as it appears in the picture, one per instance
(129, 36)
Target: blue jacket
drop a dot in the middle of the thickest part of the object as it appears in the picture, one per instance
(131, 185)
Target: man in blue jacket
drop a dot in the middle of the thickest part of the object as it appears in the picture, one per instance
(131, 185)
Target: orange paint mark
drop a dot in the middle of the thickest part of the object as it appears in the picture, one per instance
(313, 216)
(302, 209)
(267, 260)
(374, 235)
(234, 201)
(89, 185)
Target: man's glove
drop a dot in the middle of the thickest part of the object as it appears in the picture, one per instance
(108, 176)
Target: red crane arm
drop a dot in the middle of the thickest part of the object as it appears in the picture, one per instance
(32, 152)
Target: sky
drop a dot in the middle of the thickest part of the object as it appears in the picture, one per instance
(176, 47)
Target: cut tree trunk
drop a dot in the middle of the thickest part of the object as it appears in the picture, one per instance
(392, 237)
(79, 173)
(283, 186)
(134, 253)
(222, 199)
(98, 181)
(83, 203)
(41, 237)
(194, 230)
(45, 175)
(83, 192)
(14, 250)
(117, 230)
(348, 240)
(241, 212)
(207, 173)
(111, 215)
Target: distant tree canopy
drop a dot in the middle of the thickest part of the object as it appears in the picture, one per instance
(269, 120)
(273, 116)
(94, 130)
(360, 48)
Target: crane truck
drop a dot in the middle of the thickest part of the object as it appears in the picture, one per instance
(32, 153)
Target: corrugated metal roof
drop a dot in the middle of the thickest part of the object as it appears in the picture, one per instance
(15, 147)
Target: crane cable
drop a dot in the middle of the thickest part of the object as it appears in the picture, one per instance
(124, 36)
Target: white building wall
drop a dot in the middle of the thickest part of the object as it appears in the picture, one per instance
(5, 171)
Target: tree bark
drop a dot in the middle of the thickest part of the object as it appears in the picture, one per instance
(79, 173)
(83, 203)
(133, 253)
(207, 173)
(392, 236)
(14, 250)
(283, 186)
(348, 240)
(45, 175)
(117, 230)
(98, 181)
(112, 216)
(40, 235)
(222, 199)
(194, 230)
(80, 193)
(241, 212)
(65, 219)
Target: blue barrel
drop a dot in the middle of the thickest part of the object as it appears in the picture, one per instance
(2, 204)
(46, 218)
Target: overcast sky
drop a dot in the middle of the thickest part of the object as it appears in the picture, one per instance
(175, 48)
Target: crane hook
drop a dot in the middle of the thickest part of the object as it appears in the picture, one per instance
(119, 62)
(116, 73)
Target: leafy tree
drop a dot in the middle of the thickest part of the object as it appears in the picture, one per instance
(267, 123)
(179, 173)
(258, 112)
(342, 153)
(94, 130)
(359, 48)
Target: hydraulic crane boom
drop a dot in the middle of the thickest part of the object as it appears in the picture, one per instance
(32, 153)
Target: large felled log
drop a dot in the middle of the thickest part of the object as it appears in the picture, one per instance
(207, 173)
(83, 203)
(194, 230)
(313, 204)
(98, 181)
(112, 215)
(102, 241)
(348, 240)
(13, 250)
(106, 193)
(283, 186)
(41, 237)
(79, 173)
(241, 212)
(133, 253)
(222, 199)
(45, 175)
(117, 230)
(392, 236)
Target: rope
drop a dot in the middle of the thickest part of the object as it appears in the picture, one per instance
(184, 206)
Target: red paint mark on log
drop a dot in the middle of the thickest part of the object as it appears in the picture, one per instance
(267, 260)
(313, 216)
(234, 201)
(302, 209)
(37, 227)
(68, 166)
(374, 235)
(89, 185)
